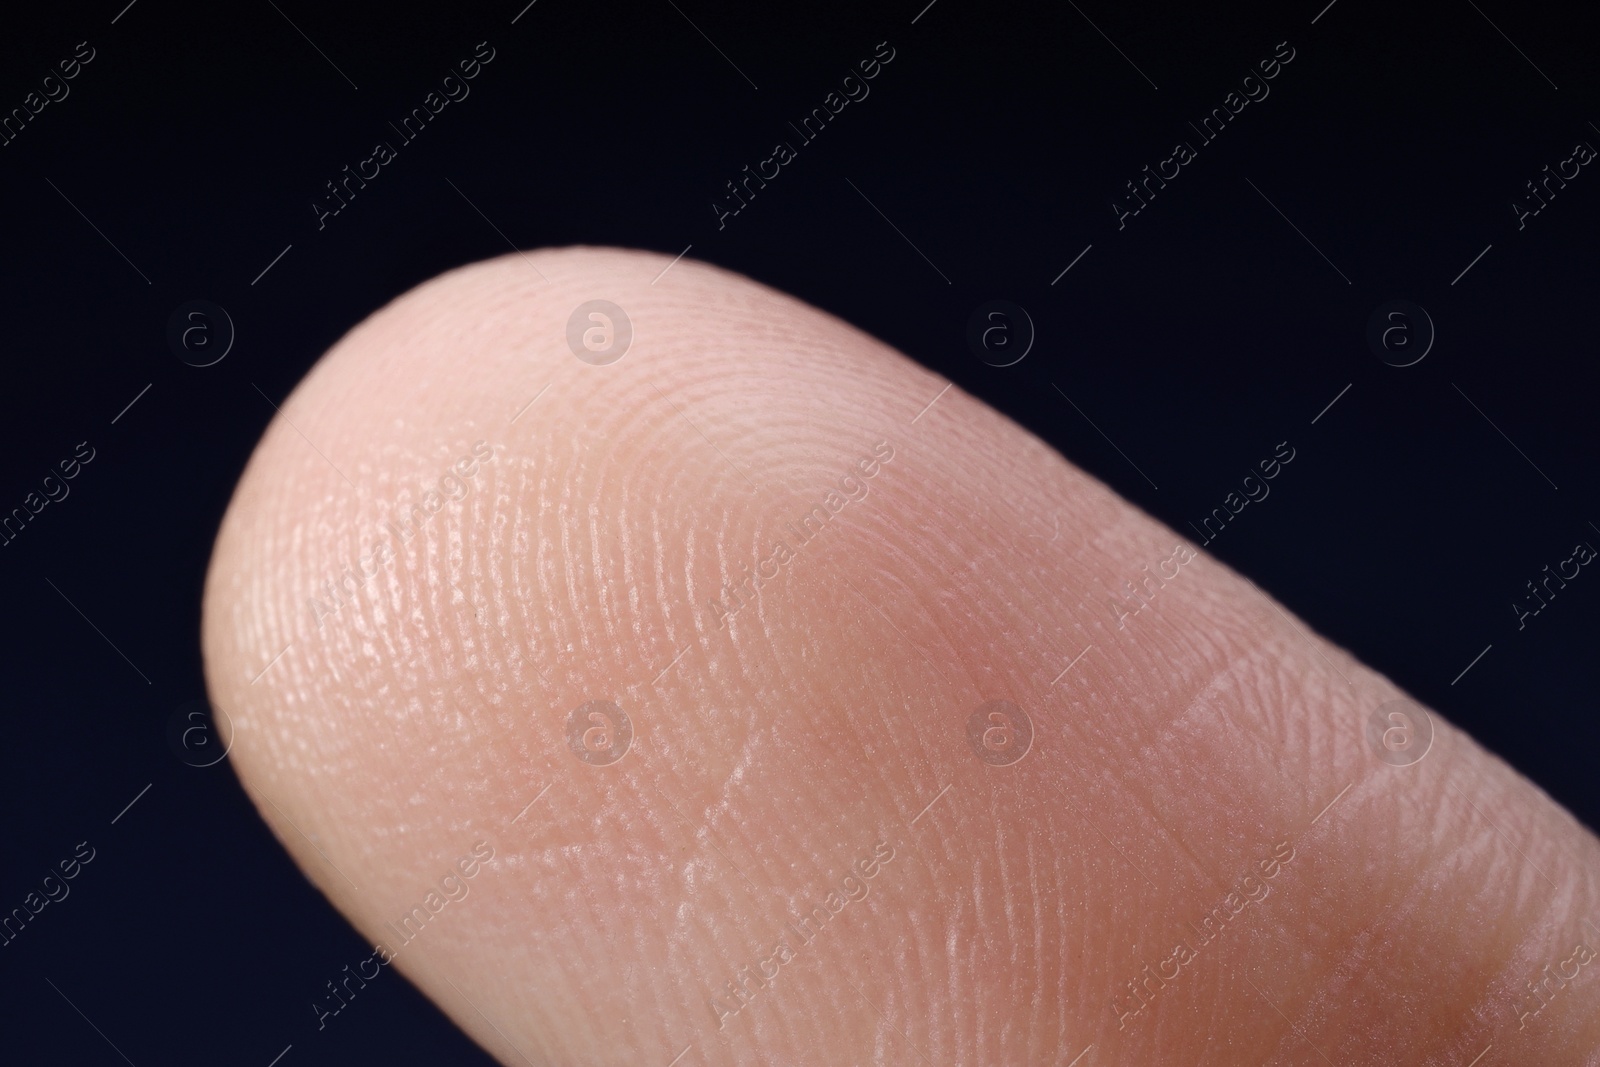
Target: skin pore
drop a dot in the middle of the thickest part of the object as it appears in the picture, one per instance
(911, 792)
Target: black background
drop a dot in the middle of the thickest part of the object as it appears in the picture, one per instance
(190, 150)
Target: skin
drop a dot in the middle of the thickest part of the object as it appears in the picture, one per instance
(1188, 746)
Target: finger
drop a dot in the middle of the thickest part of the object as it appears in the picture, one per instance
(756, 698)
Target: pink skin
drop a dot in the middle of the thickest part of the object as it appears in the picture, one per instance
(1199, 796)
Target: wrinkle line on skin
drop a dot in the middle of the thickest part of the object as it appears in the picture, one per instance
(1202, 731)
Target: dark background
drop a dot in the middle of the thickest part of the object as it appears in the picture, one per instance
(190, 149)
